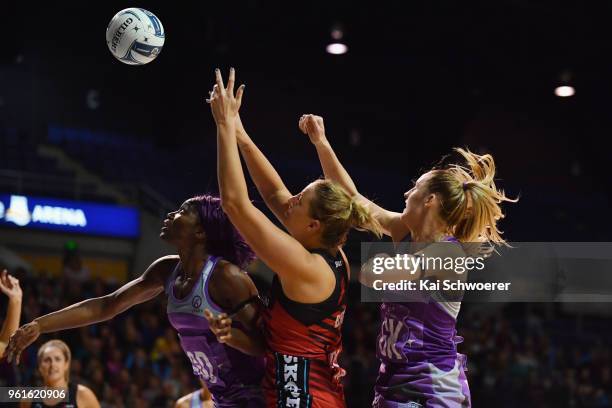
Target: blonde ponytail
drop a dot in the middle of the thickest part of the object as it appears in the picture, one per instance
(361, 219)
(470, 201)
(338, 212)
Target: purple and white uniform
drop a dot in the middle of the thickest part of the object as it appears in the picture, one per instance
(420, 365)
(233, 378)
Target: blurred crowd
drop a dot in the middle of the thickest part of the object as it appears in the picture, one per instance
(133, 360)
(538, 356)
(519, 355)
(524, 355)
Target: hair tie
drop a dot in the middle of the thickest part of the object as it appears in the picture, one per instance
(465, 185)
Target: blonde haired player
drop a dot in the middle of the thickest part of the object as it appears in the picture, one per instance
(303, 321)
(54, 359)
(417, 344)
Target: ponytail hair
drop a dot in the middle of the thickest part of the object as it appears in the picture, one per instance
(338, 212)
(470, 201)
(222, 238)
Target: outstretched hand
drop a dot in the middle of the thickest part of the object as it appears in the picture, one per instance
(312, 125)
(223, 103)
(20, 340)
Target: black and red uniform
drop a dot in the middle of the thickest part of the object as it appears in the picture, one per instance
(303, 344)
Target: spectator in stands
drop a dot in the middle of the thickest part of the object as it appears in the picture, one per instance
(74, 270)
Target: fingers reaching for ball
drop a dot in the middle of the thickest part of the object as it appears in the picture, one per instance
(219, 80)
(223, 102)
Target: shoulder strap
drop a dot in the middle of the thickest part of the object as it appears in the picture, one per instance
(334, 262)
(72, 393)
(206, 274)
(209, 267)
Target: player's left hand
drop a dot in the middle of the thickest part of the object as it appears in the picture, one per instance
(220, 325)
(312, 125)
(9, 285)
(20, 340)
(223, 103)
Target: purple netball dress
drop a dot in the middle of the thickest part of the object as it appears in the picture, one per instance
(233, 378)
(420, 365)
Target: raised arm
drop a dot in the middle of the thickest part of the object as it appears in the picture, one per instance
(95, 310)
(313, 126)
(268, 182)
(9, 285)
(279, 250)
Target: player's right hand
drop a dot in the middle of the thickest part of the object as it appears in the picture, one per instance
(223, 103)
(22, 338)
(220, 325)
(312, 125)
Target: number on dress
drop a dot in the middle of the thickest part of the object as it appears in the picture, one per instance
(201, 366)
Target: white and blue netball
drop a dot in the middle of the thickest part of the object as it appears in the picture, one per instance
(135, 36)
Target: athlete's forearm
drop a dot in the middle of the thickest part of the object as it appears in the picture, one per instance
(264, 175)
(80, 314)
(333, 169)
(11, 322)
(251, 344)
(232, 186)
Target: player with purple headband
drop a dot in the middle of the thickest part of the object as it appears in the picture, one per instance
(417, 343)
(207, 274)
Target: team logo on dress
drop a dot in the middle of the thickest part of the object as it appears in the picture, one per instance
(196, 302)
(292, 377)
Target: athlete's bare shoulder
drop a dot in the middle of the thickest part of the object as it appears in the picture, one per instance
(161, 268)
(230, 285)
(167, 260)
(86, 398)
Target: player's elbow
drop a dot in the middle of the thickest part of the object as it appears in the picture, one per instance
(277, 198)
(109, 307)
(232, 206)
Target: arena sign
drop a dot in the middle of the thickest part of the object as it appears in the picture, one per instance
(68, 216)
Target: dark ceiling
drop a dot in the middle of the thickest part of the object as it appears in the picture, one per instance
(419, 78)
